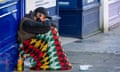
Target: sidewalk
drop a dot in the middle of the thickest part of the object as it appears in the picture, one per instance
(101, 51)
(100, 43)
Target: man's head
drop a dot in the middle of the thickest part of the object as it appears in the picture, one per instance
(41, 13)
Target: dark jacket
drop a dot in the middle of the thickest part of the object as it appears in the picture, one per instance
(29, 28)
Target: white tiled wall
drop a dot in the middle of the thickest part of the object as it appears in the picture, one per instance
(32, 4)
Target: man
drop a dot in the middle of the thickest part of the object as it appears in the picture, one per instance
(34, 23)
(42, 50)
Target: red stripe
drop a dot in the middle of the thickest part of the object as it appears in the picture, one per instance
(62, 60)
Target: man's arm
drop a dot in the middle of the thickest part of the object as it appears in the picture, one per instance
(32, 26)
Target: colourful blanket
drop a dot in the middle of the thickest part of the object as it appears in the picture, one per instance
(45, 52)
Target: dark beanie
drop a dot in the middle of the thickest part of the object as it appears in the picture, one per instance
(41, 10)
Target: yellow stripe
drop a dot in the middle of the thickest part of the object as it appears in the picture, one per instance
(33, 41)
(42, 44)
(45, 67)
(44, 54)
(44, 48)
(45, 59)
(46, 63)
(38, 43)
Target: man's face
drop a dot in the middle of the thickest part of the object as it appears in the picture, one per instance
(40, 17)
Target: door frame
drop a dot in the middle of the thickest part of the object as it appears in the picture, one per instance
(104, 15)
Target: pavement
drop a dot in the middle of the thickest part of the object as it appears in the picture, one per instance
(101, 52)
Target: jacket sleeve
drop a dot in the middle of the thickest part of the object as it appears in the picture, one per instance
(32, 26)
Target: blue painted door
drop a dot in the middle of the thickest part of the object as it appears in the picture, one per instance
(9, 18)
(79, 18)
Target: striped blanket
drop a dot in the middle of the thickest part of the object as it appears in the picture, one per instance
(45, 52)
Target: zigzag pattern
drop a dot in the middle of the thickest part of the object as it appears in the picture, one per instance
(65, 65)
(45, 52)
